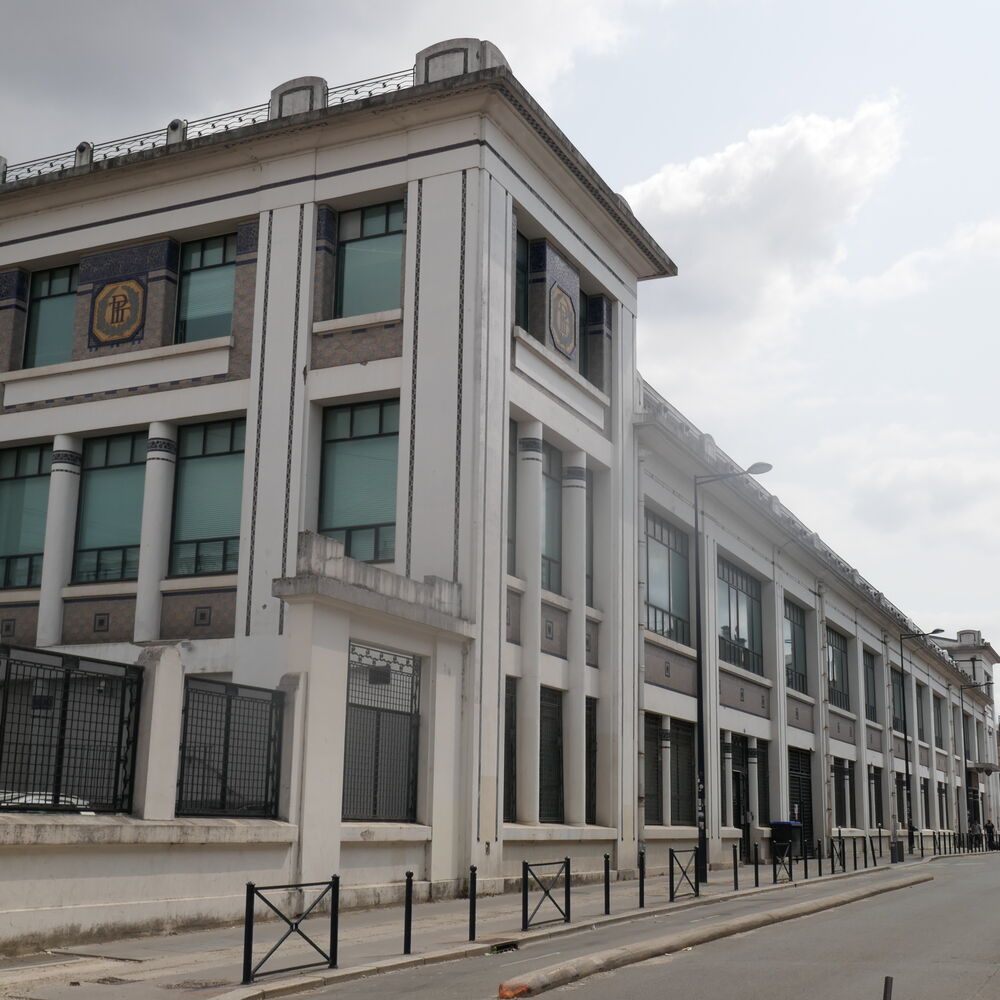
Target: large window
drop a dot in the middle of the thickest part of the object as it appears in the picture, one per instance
(109, 521)
(836, 664)
(550, 757)
(898, 707)
(370, 259)
(205, 297)
(590, 802)
(552, 533)
(512, 498)
(207, 491)
(51, 309)
(739, 618)
(921, 711)
(357, 502)
(510, 751)
(763, 784)
(939, 741)
(871, 700)
(682, 774)
(521, 283)
(653, 768)
(795, 647)
(381, 738)
(667, 593)
(24, 499)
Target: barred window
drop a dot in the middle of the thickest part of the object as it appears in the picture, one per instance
(550, 757)
(591, 763)
(208, 488)
(898, 705)
(357, 500)
(51, 312)
(667, 590)
(763, 784)
(939, 740)
(683, 807)
(381, 736)
(653, 768)
(205, 293)
(552, 528)
(370, 259)
(837, 676)
(795, 647)
(24, 500)
(740, 634)
(871, 701)
(510, 751)
(109, 520)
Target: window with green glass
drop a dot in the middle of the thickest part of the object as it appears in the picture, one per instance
(205, 296)
(512, 497)
(521, 283)
(898, 704)
(871, 698)
(552, 528)
(370, 259)
(836, 663)
(109, 518)
(51, 310)
(738, 603)
(667, 587)
(208, 489)
(357, 500)
(795, 647)
(24, 499)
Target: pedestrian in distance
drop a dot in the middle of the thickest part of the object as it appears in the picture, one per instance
(990, 835)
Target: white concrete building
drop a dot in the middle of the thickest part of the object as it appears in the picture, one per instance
(401, 315)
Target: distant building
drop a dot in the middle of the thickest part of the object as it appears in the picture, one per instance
(337, 396)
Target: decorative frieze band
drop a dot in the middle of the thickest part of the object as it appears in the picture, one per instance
(67, 458)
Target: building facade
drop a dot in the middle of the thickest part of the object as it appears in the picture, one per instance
(338, 396)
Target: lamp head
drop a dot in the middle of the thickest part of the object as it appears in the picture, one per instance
(758, 468)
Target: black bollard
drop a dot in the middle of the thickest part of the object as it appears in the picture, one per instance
(607, 884)
(736, 870)
(408, 914)
(642, 879)
(671, 883)
(566, 860)
(756, 866)
(248, 936)
(854, 848)
(819, 856)
(805, 864)
(334, 919)
(472, 902)
(524, 895)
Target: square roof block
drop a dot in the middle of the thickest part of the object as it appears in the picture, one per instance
(295, 97)
(456, 57)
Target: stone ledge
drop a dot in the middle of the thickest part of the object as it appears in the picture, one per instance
(557, 832)
(384, 833)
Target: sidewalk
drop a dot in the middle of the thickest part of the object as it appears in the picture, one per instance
(208, 963)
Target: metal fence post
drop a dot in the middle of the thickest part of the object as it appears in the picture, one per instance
(921, 843)
(642, 880)
(805, 864)
(567, 889)
(756, 865)
(819, 856)
(248, 936)
(524, 895)
(408, 914)
(774, 865)
(864, 850)
(607, 884)
(736, 869)
(880, 840)
(334, 919)
(671, 874)
(854, 849)
(472, 902)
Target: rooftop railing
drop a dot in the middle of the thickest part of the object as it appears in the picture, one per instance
(213, 125)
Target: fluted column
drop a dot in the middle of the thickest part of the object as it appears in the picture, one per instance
(154, 540)
(574, 583)
(60, 533)
(665, 768)
(726, 791)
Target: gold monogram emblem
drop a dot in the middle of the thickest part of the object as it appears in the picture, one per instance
(562, 321)
(119, 310)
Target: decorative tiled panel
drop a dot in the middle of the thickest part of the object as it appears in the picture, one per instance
(873, 737)
(514, 617)
(593, 630)
(244, 287)
(800, 714)
(735, 692)
(669, 669)
(325, 263)
(924, 757)
(841, 728)
(98, 619)
(350, 347)
(553, 300)
(554, 630)
(942, 760)
(599, 346)
(198, 614)
(13, 316)
(18, 624)
(898, 747)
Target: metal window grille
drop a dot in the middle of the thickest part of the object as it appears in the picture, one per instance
(795, 647)
(510, 752)
(871, 706)
(230, 755)
(836, 657)
(381, 741)
(653, 765)
(591, 763)
(800, 790)
(550, 757)
(68, 730)
(682, 773)
(763, 785)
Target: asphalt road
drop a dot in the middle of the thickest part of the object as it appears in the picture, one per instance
(939, 941)
(478, 978)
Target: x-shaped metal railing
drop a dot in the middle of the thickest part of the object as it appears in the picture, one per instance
(546, 884)
(686, 869)
(329, 957)
(781, 861)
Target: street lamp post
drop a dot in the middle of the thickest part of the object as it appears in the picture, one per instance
(906, 733)
(701, 860)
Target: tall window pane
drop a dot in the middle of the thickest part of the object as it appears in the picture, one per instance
(682, 773)
(836, 660)
(795, 647)
(208, 490)
(512, 498)
(110, 509)
(938, 724)
(739, 618)
(552, 540)
(205, 298)
(521, 284)
(550, 757)
(871, 702)
(357, 503)
(920, 712)
(898, 708)
(24, 499)
(653, 768)
(667, 593)
(370, 259)
(51, 309)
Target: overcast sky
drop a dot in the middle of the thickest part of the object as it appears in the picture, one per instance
(824, 174)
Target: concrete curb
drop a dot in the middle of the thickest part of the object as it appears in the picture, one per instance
(604, 961)
(299, 984)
